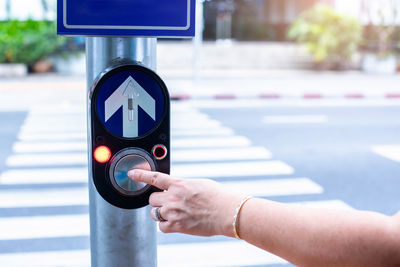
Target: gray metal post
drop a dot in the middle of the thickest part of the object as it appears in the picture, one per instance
(198, 40)
(119, 237)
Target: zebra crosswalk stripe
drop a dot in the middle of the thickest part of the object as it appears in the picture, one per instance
(388, 151)
(221, 154)
(29, 137)
(276, 187)
(230, 253)
(45, 176)
(71, 258)
(44, 226)
(238, 169)
(47, 159)
(45, 197)
(177, 143)
(56, 226)
(202, 147)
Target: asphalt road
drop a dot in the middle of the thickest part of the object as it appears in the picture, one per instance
(333, 145)
(10, 122)
(342, 153)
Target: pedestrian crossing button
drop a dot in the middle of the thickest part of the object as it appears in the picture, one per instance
(125, 161)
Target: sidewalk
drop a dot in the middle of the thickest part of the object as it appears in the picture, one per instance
(238, 83)
(230, 84)
(265, 70)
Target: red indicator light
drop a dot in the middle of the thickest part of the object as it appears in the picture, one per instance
(102, 154)
(159, 152)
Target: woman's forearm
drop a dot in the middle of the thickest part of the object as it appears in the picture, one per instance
(303, 236)
(318, 237)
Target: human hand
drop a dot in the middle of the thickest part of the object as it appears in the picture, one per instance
(197, 206)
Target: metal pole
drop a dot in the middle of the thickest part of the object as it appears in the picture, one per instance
(119, 237)
(198, 40)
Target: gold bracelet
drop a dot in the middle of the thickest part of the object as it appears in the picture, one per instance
(235, 218)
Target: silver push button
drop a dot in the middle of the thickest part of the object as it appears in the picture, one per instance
(125, 160)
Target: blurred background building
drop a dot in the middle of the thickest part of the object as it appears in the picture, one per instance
(236, 19)
(267, 23)
(269, 19)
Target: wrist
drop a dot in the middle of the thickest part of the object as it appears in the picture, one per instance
(225, 214)
(228, 216)
(236, 217)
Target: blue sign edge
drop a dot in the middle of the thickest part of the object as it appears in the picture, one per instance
(186, 33)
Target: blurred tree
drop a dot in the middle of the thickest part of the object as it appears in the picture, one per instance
(27, 41)
(328, 36)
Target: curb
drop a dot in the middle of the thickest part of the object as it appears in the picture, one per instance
(269, 96)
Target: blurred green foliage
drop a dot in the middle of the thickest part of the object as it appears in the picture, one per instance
(27, 41)
(327, 35)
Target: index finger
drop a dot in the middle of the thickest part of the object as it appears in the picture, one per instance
(158, 179)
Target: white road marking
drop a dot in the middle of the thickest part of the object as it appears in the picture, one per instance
(66, 146)
(207, 254)
(82, 135)
(79, 196)
(193, 124)
(60, 128)
(59, 119)
(218, 141)
(192, 116)
(215, 254)
(182, 107)
(289, 119)
(64, 159)
(59, 109)
(30, 147)
(210, 254)
(28, 137)
(388, 151)
(78, 225)
(233, 169)
(45, 176)
(67, 258)
(203, 254)
(275, 187)
(44, 197)
(44, 226)
(221, 154)
(202, 132)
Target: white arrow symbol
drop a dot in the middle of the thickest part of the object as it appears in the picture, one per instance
(130, 95)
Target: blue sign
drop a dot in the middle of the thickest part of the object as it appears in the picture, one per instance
(172, 18)
(130, 103)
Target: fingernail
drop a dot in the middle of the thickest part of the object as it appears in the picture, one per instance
(131, 173)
